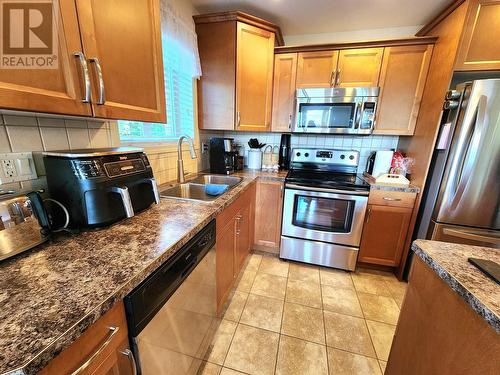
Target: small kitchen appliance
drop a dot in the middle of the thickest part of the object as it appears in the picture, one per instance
(324, 208)
(284, 151)
(336, 110)
(379, 163)
(100, 186)
(223, 158)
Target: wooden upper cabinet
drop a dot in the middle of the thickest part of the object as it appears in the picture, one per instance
(254, 77)
(402, 80)
(122, 42)
(58, 90)
(480, 45)
(359, 67)
(285, 74)
(316, 69)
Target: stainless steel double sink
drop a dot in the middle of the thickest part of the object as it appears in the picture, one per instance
(195, 188)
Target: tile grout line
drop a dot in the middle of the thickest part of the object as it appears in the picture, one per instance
(281, 324)
(324, 322)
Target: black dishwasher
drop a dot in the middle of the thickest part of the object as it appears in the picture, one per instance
(172, 315)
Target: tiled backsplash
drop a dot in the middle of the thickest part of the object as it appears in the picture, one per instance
(365, 145)
(41, 133)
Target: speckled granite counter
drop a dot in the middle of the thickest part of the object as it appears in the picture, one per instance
(51, 294)
(449, 261)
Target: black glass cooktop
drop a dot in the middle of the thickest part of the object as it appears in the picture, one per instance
(332, 180)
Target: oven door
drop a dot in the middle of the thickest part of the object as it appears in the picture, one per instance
(324, 215)
(327, 115)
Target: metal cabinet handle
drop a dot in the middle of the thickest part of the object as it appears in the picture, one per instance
(112, 332)
(238, 224)
(290, 121)
(391, 199)
(85, 76)
(337, 80)
(368, 214)
(238, 118)
(102, 94)
(128, 353)
(333, 77)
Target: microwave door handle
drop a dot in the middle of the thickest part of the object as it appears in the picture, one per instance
(127, 202)
(154, 187)
(360, 107)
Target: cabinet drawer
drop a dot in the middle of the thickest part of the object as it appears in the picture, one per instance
(392, 198)
(100, 341)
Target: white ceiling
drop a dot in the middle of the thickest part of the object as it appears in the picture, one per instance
(296, 17)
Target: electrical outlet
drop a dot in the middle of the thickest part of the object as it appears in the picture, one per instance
(204, 148)
(16, 167)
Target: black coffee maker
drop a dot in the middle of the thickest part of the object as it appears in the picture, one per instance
(223, 158)
(285, 152)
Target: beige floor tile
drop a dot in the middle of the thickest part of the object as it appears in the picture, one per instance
(397, 290)
(303, 293)
(345, 363)
(303, 322)
(228, 371)
(253, 350)
(269, 286)
(336, 278)
(341, 300)
(304, 272)
(235, 308)
(220, 340)
(204, 368)
(263, 312)
(379, 308)
(383, 365)
(273, 266)
(253, 262)
(348, 333)
(299, 357)
(369, 283)
(382, 335)
(246, 281)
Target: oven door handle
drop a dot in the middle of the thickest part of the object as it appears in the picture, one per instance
(323, 190)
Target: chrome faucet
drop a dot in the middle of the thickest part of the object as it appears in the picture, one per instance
(180, 164)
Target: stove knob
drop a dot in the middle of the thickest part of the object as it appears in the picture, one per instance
(342, 156)
(306, 154)
(351, 157)
(298, 154)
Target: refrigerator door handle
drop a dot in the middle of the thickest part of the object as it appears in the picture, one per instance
(464, 162)
(468, 235)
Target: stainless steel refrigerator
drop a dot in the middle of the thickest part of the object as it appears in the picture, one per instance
(463, 191)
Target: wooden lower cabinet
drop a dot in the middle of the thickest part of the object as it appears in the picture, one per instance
(235, 230)
(384, 235)
(105, 343)
(268, 213)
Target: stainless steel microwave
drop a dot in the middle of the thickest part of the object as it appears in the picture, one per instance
(336, 110)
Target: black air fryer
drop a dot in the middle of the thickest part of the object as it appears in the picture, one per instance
(100, 186)
(285, 152)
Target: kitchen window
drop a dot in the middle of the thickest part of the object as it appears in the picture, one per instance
(180, 68)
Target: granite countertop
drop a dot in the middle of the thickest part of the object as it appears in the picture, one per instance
(449, 261)
(52, 293)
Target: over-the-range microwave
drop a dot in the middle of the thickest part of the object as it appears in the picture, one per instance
(336, 110)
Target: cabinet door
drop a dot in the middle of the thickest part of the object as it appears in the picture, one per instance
(384, 235)
(254, 77)
(316, 69)
(359, 67)
(480, 49)
(243, 239)
(58, 90)
(122, 38)
(224, 260)
(285, 74)
(268, 212)
(402, 79)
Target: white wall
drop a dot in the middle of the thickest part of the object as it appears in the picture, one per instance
(352, 36)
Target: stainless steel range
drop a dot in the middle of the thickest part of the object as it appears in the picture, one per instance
(324, 208)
